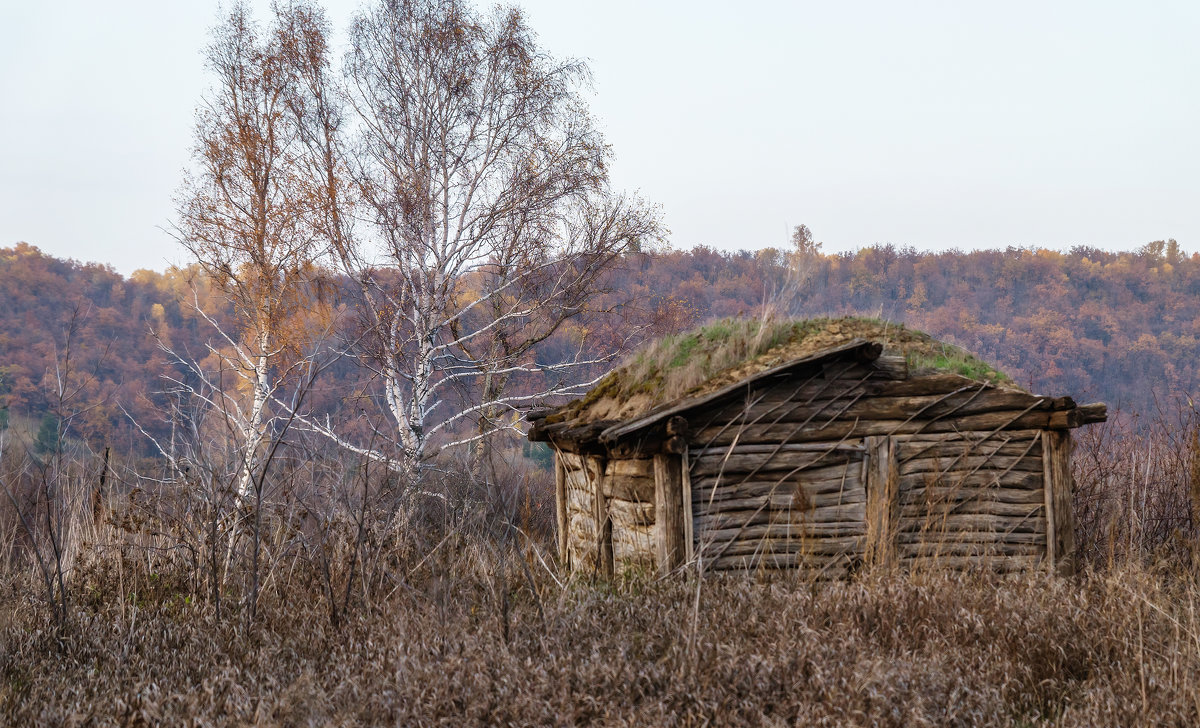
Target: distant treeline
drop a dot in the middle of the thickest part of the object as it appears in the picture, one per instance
(1118, 327)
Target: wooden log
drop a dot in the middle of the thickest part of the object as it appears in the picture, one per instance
(636, 489)
(631, 468)
(836, 430)
(990, 462)
(668, 508)
(809, 447)
(971, 436)
(814, 546)
(736, 499)
(1004, 564)
(958, 548)
(604, 556)
(1056, 449)
(739, 462)
(977, 506)
(782, 531)
(580, 500)
(839, 477)
(1015, 480)
(936, 523)
(973, 401)
(710, 491)
(731, 519)
(933, 495)
(686, 495)
(881, 490)
(560, 504)
(782, 498)
(984, 537)
(1002, 445)
(629, 513)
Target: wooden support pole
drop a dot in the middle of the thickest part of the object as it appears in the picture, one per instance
(1060, 521)
(882, 501)
(595, 467)
(689, 524)
(560, 502)
(668, 511)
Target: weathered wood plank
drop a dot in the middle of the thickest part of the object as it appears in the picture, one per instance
(829, 514)
(686, 495)
(851, 488)
(847, 446)
(629, 513)
(1001, 444)
(631, 468)
(977, 506)
(1056, 448)
(783, 530)
(881, 489)
(836, 430)
(739, 462)
(979, 438)
(972, 401)
(936, 496)
(972, 522)
(603, 528)
(816, 546)
(782, 498)
(560, 506)
(991, 462)
(848, 470)
(1015, 480)
(630, 488)
(668, 507)
(984, 537)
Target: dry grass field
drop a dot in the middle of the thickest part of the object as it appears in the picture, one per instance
(458, 616)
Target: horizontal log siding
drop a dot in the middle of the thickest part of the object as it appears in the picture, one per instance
(628, 485)
(790, 507)
(969, 501)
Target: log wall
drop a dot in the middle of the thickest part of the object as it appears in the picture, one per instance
(609, 513)
(779, 506)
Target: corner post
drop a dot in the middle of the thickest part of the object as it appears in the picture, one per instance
(560, 503)
(670, 549)
(1058, 484)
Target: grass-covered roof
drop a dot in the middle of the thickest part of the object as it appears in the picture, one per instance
(725, 351)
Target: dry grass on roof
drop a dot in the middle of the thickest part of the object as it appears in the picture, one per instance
(725, 351)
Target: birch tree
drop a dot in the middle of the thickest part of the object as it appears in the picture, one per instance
(243, 217)
(463, 189)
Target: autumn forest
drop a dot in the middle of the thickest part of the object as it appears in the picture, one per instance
(1123, 328)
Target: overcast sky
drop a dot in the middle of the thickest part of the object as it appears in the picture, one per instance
(931, 124)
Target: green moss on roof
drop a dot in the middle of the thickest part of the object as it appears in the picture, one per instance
(728, 350)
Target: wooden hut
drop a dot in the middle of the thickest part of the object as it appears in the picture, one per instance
(825, 462)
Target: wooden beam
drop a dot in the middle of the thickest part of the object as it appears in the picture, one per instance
(882, 501)
(1060, 521)
(595, 467)
(689, 536)
(560, 501)
(668, 511)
